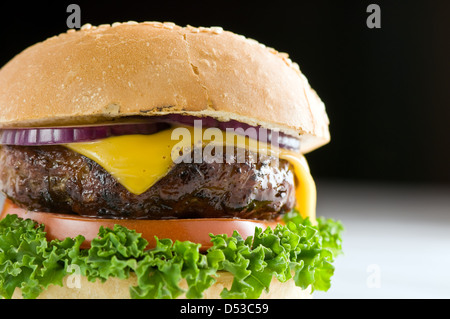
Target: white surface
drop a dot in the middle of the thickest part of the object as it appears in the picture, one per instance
(396, 243)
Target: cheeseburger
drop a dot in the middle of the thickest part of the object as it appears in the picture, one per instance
(149, 160)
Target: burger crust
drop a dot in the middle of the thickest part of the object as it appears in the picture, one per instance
(151, 68)
(115, 288)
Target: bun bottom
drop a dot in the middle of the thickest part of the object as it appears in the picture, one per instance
(114, 288)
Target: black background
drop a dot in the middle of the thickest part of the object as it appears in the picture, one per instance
(387, 91)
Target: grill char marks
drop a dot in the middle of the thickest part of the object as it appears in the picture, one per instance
(56, 179)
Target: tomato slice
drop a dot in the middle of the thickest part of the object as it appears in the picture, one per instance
(60, 226)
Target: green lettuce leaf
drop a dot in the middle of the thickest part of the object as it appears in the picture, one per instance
(297, 250)
(27, 259)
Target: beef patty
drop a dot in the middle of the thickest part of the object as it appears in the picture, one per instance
(57, 179)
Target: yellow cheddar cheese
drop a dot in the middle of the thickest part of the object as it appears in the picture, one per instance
(139, 161)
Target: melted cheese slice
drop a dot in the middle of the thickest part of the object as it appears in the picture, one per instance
(305, 189)
(139, 161)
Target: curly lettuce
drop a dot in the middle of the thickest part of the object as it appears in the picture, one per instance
(296, 250)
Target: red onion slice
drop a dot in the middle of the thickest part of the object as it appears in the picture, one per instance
(36, 136)
(259, 133)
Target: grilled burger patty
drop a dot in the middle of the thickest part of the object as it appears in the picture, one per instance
(57, 179)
